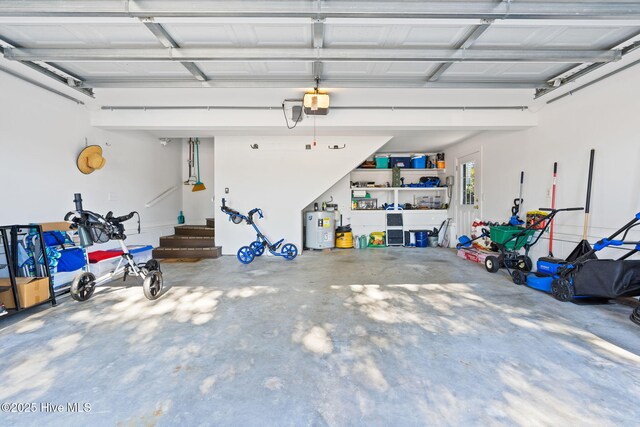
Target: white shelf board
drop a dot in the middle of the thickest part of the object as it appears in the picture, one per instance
(402, 170)
(409, 211)
(399, 188)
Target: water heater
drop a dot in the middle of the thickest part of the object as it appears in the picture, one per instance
(321, 229)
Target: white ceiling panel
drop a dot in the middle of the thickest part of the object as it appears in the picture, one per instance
(240, 35)
(127, 69)
(502, 72)
(389, 36)
(378, 69)
(557, 37)
(79, 35)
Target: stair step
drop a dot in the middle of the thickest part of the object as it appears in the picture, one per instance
(194, 230)
(210, 252)
(211, 222)
(176, 241)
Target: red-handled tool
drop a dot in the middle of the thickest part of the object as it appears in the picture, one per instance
(553, 206)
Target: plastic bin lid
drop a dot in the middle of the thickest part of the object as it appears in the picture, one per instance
(418, 155)
(381, 156)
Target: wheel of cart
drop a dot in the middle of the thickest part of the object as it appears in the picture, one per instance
(509, 240)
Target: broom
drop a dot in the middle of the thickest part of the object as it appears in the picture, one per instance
(198, 186)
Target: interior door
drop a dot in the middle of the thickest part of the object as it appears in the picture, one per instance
(469, 197)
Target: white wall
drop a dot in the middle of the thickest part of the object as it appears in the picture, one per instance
(41, 135)
(282, 178)
(198, 206)
(603, 117)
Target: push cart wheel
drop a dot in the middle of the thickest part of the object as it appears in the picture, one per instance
(257, 248)
(289, 251)
(519, 278)
(83, 286)
(562, 290)
(492, 264)
(524, 263)
(152, 265)
(236, 219)
(245, 255)
(152, 285)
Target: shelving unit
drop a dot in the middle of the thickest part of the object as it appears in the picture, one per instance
(368, 220)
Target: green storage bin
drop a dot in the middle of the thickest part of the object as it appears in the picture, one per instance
(382, 162)
(504, 235)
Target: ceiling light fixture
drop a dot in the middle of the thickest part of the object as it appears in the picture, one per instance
(316, 103)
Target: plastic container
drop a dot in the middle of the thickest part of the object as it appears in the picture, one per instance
(382, 162)
(418, 161)
(504, 235)
(441, 164)
(401, 161)
(377, 239)
(363, 241)
(433, 241)
(422, 239)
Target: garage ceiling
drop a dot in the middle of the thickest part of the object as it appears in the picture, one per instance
(477, 44)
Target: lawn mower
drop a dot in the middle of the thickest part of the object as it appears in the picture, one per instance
(246, 254)
(588, 276)
(95, 228)
(509, 240)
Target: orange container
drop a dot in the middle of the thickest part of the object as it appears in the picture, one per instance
(441, 164)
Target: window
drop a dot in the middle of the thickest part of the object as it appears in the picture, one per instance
(468, 181)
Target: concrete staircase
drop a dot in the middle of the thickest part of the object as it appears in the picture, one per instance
(189, 241)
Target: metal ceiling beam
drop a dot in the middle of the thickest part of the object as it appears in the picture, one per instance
(40, 85)
(323, 9)
(74, 82)
(305, 82)
(309, 55)
(337, 107)
(550, 87)
(465, 44)
(318, 33)
(167, 41)
(317, 70)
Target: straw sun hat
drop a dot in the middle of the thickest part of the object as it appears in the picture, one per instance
(90, 159)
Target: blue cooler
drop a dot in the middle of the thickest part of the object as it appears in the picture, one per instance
(399, 161)
(418, 161)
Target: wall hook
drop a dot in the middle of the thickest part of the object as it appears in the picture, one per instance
(335, 147)
(254, 146)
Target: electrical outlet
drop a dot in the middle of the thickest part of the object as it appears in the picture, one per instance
(226, 190)
(307, 147)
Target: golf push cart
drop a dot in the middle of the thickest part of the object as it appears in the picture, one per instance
(94, 228)
(246, 254)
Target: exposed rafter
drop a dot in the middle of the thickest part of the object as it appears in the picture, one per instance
(464, 44)
(235, 82)
(72, 81)
(309, 55)
(167, 41)
(323, 9)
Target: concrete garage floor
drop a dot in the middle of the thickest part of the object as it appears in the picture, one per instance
(360, 337)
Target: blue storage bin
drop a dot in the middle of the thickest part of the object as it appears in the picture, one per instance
(422, 239)
(418, 161)
(400, 161)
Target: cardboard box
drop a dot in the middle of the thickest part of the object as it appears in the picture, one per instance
(31, 291)
(474, 255)
(55, 226)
